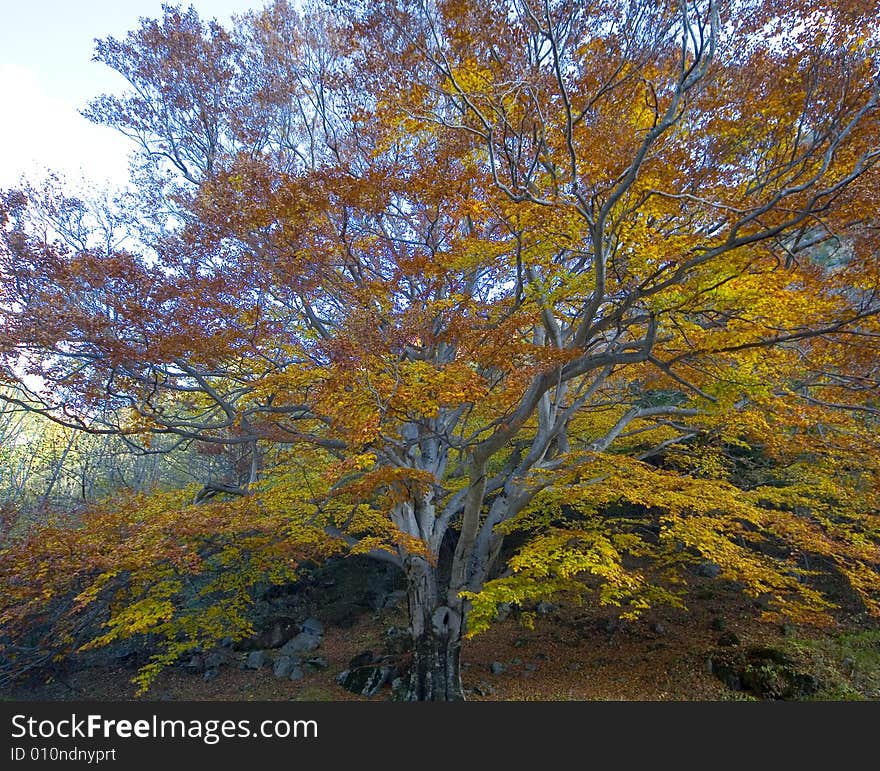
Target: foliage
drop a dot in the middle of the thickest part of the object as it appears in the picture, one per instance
(447, 271)
(134, 568)
(848, 664)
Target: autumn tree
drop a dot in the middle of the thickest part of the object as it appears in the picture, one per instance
(447, 271)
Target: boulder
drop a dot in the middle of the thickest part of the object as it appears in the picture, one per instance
(313, 627)
(256, 660)
(766, 672)
(217, 658)
(196, 664)
(350, 587)
(274, 633)
(284, 665)
(366, 680)
(304, 642)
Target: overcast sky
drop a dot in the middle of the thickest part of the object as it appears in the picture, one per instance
(46, 76)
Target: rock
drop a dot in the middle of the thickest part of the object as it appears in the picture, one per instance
(767, 672)
(530, 667)
(771, 678)
(727, 673)
(484, 689)
(217, 658)
(283, 665)
(519, 642)
(362, 659)
(304, 642)
(318, 662)
(709, 569)
(849, 665)
(296, 673)
(658, 628)
(280, 633)
(256, 660)
(503, 611)
(367, 681)
(544, 608)
(211, 674)
(574, 667)
(718, 624)
(497, 668)
(357, 585)
(516, 662)
(196, 665)
(728, 640)
(313, 627)
(274, 634)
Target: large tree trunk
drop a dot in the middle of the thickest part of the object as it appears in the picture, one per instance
(437, 630)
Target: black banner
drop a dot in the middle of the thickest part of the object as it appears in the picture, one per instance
(125, 735)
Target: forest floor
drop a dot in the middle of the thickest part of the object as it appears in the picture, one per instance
(579, 654)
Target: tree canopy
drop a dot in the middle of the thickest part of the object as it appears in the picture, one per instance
(530, 298)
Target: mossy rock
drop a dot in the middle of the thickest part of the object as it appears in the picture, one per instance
(768, 673)
(366, 680)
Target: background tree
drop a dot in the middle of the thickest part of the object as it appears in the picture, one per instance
(443, 271)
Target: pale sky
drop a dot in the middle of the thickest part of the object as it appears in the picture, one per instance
(46, 76)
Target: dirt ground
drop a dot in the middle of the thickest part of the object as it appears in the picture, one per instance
(579, 654)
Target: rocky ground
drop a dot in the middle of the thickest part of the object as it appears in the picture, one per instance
(343, 622)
